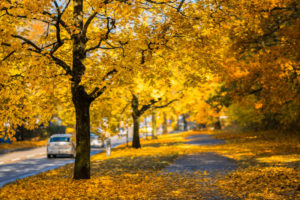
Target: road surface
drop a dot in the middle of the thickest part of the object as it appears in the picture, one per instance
(20, 164)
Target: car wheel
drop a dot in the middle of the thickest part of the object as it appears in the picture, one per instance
(49, 156)
(53, 156)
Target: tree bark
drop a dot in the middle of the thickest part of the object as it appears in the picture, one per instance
(81, 99)
(217, 124)
(136, 137)
(185, 125)
(165, 124)
(136, 122)
(154, 135)
(82, 108)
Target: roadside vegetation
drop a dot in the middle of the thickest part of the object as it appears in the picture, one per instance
(268, 169)
(16, 145)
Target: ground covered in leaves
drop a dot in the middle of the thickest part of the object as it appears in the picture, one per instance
(268, 169)
(16, 145)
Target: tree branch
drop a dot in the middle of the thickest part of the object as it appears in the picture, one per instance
(63, 64)
(110, 25)
(97, 91)
(146, 107)
(167, 104)
(87, 23)
(27, 41)
(7, 56)
(180, 5)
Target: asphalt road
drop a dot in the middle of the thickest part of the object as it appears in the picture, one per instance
(21, 164)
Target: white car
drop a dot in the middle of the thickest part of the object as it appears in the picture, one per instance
(96, 141)
(60, 144)
(122, 132)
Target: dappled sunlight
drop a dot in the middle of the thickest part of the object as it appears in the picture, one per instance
(280, 159)
(126, 174)
(140, 173)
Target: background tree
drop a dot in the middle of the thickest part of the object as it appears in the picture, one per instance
(261, 62)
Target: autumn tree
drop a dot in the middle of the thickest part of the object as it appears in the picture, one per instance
(68, 48)
(262, 58)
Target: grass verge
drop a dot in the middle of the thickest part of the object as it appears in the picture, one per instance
(22, 145)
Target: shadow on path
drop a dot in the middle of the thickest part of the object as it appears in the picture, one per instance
(203, 139)
(212, 163)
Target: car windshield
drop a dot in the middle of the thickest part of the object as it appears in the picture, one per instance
(60, 139)
(94, 136)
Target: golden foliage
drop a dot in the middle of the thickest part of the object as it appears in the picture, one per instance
(23, 144)
(262, 183)
(137, 173)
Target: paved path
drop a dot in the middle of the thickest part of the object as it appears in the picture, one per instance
(212, 163)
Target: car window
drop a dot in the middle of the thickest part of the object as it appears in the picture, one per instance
(60, 139)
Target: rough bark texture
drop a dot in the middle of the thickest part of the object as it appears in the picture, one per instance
(136, 137)
(82, 160)
(80, 98)
(154, 135)
(165, 124)
(136, 123)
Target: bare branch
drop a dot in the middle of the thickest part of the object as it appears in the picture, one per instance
(87, 23)
(63, 64)
(155, 2)
(110, 25)
(62, 23)
(166, 105)
(27, 41)
(67, 5)
(180, 5)
(146, 107)
(97, 91)
(7, 56)
(124, 109)
(57, 7)
(5, 44)
(23, 16)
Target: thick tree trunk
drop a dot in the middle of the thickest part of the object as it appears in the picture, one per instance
(136, 136)
(165, 124)
(80, 98)
(154, 135)
(82, 160)
(136, 122)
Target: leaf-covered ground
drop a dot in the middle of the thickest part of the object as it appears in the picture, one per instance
(22, 145)
(137, 174)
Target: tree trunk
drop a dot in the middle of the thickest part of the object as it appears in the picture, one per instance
(185, 125)
(82, 108)
(136, 136)
(154, 135)
(178, 123)
(217, 125)
(80, 98)
(127, 133)
(165, 124)
(136, 122)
